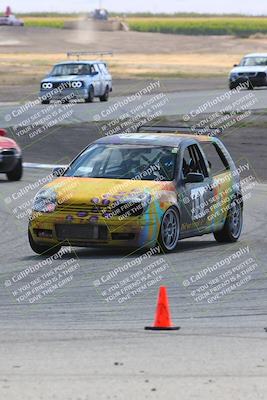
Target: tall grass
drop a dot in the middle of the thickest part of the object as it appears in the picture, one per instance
(242, 26)
(46, 22)
(188, 24)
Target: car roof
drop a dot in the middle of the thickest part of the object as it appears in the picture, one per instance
(256, 55)
(154, 139)
(81, 62)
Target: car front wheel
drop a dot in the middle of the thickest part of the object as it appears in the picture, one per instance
(16, 173)
(42, 249)
(233, 224)
(169, 230)
(91, 95)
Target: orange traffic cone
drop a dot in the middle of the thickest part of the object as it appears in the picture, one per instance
(163, 315)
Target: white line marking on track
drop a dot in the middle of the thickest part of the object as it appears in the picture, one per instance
(42, 166)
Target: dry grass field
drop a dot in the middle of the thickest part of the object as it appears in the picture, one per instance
(27, 54)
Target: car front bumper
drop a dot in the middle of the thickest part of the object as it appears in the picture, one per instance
(260, 79)
(52, 229)
(66, 94)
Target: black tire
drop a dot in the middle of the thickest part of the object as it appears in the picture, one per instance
(45, 101)
(232, 85)
(91, 95)
(232, 228)
(169, 230)
(16, 173)
(42, 249)
(105, 95)
(250, 86)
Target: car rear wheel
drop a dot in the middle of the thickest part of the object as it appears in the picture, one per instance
(91, 95)
(105, 95)
(16, 173)
(169, 230)
(233, 224)
(42, 249)
(45, 101)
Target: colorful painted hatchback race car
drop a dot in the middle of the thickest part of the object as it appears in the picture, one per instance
(138, 189)
(10, 157)
(79, 80)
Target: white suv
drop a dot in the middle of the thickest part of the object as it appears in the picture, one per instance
(252, 69)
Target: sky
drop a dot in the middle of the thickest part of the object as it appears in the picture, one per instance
(205, 6)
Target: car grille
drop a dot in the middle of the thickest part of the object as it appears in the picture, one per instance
(81, 232)
(253, 74)
(58, 84)
(249, 74)
(88, 208)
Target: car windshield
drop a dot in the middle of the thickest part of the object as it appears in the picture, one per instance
(71, 69)
(253, 61)
(125, 162)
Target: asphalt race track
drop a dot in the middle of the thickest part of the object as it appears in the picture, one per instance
(73, 337)
(83, 342)
(173, 103)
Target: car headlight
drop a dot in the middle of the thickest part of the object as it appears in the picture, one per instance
(233, 75)
(76, 84)
(45, 201)
(132, 205)
(47, 85)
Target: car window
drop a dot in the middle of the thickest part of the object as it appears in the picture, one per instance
(102, 68)
(253, 61)
(71, 69)
(193, 161)
(216, 160)
(95, 67)
(125, 162)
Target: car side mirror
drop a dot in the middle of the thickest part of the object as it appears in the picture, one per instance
(235, 65)
(94, 73)
(3, 132)
(194, 177)
(58, 171)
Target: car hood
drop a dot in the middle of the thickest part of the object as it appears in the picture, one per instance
(236, 70)
(64, 78)
(71, 190)
(6, 143)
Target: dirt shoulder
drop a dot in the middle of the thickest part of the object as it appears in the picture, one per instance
(27, 54)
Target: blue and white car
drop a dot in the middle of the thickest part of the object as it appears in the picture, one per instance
(251, 70)
(77, 80)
